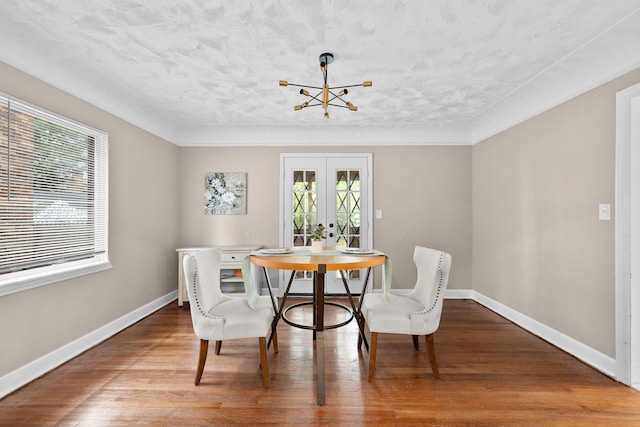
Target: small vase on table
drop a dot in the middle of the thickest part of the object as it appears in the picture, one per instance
(316, 239)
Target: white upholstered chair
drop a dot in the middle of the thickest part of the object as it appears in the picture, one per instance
(219, 317)
(416, 313)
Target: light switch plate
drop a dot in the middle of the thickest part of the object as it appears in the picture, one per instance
(604, 211)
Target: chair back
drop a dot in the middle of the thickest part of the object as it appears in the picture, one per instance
(433, 274)
(202, 278)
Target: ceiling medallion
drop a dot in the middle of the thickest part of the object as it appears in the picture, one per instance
(326, 96)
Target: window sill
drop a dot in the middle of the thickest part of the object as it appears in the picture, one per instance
(16, 282)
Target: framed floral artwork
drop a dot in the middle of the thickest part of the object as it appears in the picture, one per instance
(225, 193)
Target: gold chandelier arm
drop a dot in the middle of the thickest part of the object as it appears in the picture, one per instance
(348, 105)
(297, 85)
(306, 93)
(364, 84)
(338, 96)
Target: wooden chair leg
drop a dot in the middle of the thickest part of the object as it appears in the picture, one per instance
(263, 361)
(373, 345)
(204, 348)
(415, 342)
(431, 351)
(275, 341)
(218, 347)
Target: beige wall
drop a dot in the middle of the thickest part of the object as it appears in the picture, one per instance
(424, 193)
(143, 234)
(538, 246)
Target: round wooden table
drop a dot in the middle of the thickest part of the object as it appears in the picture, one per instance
(319, 264)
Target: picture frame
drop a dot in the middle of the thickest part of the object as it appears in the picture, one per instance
(225, 193)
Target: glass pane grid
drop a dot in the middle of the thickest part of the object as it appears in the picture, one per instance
(305, 209)
(348, 198)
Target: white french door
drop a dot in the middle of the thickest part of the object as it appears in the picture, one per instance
(627, 226)
(329, 189)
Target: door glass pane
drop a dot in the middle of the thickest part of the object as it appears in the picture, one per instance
(348, 208)
(304, 210)
(348, 198)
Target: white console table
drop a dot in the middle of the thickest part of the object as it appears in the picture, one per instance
(230, 271)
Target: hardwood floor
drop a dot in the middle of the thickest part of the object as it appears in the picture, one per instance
(491, 373)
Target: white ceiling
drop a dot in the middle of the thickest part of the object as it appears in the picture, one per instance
(206, 72)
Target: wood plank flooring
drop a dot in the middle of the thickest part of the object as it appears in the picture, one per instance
(492, 373)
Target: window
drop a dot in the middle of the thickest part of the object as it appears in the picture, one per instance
(53, 197)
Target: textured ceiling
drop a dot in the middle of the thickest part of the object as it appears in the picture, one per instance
(450, 69)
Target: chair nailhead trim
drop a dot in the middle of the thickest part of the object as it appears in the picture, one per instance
(194, 291)
(438, 291)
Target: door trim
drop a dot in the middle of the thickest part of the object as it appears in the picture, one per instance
(369, 179)
(627, 237)
(369, 157)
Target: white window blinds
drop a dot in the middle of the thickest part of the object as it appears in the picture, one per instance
(53, 190)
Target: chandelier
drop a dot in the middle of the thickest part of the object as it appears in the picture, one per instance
(326, 96)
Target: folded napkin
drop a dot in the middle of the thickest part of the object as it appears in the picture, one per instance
(386, 279)
(249, 288)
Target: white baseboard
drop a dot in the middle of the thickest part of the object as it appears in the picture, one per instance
(593, 358)
(35, 369)
(459, 294)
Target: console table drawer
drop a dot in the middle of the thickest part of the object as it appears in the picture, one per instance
(231, 274)
(234, 257)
